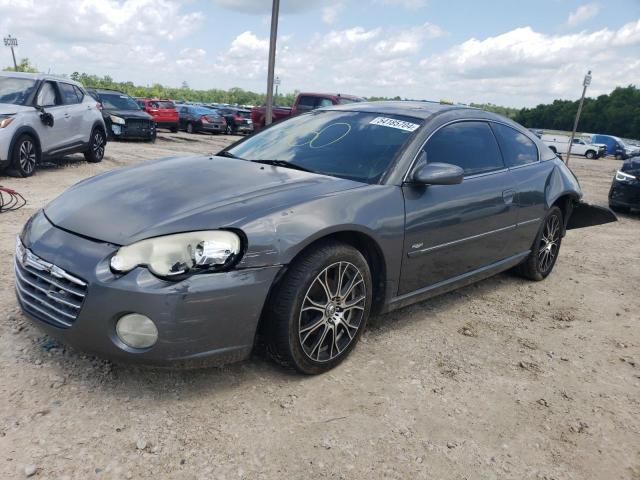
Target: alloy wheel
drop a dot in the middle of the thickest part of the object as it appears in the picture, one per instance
(98, 145)
(332, 311)
(27, 156)
(549, 244)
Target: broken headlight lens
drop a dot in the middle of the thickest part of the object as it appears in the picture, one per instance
(180, 254)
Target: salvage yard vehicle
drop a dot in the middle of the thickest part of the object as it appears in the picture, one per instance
(238, 120)
(123, 117)
(624, 194)
(44, 117)
(560, 144)
(616, 146)
(194, 119)
(164, 112)
(304, 102)
(295, 235)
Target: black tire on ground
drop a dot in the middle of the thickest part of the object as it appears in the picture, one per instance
(590, 154)
(312, 324)
(546, 247)
(174, 129)
(229, 130)
(190, 128)
(619, 209)
(24, 157)
(618, 156)
(97, 144)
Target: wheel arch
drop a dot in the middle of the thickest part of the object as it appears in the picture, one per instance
(25, 129)
(359, 240)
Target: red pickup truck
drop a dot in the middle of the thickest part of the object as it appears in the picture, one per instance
(305, 102)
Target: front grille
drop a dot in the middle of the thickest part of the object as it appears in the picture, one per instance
(46, 291)
(137, 127)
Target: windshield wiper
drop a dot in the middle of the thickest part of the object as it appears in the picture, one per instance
(283, 163)
(228, 155)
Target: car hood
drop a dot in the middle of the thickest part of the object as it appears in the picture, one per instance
(10, 109)
(129, 113)
(183, 194)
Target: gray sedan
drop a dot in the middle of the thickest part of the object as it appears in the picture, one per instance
(295, 235)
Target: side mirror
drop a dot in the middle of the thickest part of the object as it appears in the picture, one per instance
(438, 174)
(45, 117)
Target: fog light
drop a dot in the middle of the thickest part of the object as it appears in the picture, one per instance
(137, 331)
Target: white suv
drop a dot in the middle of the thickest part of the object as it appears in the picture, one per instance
(44, 117)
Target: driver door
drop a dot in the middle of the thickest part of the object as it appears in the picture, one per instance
(457, 230)
(56, 136)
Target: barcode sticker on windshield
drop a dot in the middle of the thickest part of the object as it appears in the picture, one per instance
(393, 123)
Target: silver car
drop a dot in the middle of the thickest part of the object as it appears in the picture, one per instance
(43, 117)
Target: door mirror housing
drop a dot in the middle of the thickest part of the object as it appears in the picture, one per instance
(438, 174)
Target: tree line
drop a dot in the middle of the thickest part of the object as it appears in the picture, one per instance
(617, 113)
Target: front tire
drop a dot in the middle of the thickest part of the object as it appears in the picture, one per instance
(590, 155)
(546, 247)
(320, 309)
(190, 128)
(97, 144)
(24, 157)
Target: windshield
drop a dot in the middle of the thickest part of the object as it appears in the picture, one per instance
(16, 90)
(354, 145)
(118, 101)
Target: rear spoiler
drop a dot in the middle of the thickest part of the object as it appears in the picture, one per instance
(585, 215)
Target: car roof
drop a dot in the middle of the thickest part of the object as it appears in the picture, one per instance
(418, 109)
(40, 76)
(107, 90)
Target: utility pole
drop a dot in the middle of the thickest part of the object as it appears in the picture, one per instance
(10, 41)
(585, 83)
(272, 61)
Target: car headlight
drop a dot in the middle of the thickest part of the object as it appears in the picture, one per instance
(624, 177)
(183, 253)
(117, 120)
(5, 121)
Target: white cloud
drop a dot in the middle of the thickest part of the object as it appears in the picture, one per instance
(260, 7)
(331, 12)
(582, 14)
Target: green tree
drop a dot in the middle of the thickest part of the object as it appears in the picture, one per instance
(24, 65)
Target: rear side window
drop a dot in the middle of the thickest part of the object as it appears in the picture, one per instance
(469, 145)
(79, 93)
(516, 147)
(69, 96)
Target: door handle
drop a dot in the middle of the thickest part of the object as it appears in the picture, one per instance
(507, 196)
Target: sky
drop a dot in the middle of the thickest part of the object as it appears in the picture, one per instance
(510, 53)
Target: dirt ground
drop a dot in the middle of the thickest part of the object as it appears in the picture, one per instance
(503, 379)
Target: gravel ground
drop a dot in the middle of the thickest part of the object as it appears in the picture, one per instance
(503, 379)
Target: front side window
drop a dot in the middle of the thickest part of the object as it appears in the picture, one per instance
(16, 91)
(516, 147)
(47, 95)
(354, 145)
(306, 103)
(469, 145)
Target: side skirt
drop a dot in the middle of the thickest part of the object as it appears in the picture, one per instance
(454, 282)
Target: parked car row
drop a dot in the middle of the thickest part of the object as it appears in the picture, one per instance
(590, 145)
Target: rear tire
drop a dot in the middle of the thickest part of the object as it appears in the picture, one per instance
(174, 129)
(546, 247)
(97, 144)
(320, 309)
(24, 157)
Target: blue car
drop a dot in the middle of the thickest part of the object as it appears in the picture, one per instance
(615, 146)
